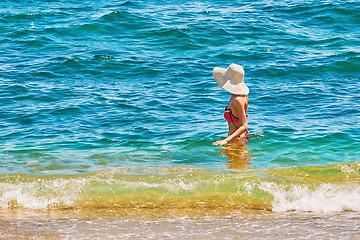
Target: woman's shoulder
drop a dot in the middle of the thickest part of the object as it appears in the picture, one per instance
(241, 100)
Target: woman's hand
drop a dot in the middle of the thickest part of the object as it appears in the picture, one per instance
(221, 142)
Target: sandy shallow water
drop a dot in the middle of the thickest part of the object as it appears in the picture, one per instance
(243, 225)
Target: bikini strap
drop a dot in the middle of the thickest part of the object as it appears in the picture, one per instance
(231, 117)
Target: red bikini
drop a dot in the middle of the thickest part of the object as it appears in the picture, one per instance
(229, 116)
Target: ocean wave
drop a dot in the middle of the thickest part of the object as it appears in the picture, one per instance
(310, 189)
(327, 197)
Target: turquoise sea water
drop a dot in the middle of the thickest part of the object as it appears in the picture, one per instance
(112, 105)
(93, 85)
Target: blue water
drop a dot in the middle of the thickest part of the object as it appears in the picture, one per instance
(93, 85)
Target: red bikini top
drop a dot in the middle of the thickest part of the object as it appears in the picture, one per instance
(229, 116)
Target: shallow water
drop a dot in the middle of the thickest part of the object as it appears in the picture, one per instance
(111, 106)
(246, 225)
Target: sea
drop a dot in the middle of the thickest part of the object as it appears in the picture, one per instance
(108, 112)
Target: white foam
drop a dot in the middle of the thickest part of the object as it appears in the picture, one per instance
(38, 195)
(326, 197)
(15, 194)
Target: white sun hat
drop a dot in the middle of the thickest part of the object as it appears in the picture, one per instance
(231, 79)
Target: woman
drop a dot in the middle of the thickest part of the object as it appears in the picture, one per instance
(232, 80)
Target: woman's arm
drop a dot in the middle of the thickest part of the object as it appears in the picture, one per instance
(237, 133)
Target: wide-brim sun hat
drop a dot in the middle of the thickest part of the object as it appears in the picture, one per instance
(231, 79)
